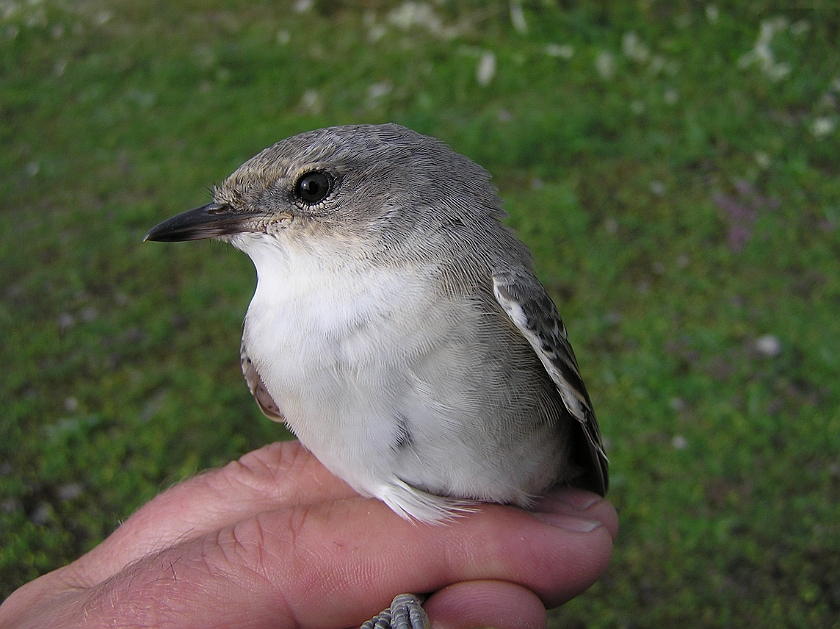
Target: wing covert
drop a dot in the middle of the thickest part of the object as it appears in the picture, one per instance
(531, 310)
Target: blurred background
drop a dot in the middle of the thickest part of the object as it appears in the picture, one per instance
(672, 164)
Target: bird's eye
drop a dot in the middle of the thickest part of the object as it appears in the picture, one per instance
(313, 187)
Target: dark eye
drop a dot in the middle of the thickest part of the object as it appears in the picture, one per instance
(313, 187)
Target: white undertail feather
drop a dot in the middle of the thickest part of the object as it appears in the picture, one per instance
(412, 503)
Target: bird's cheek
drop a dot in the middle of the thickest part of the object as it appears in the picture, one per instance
(278, 223)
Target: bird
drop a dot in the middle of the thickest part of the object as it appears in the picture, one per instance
(398, 326)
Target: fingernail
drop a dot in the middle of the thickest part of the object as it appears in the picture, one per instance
(568, 522)
(576, 498)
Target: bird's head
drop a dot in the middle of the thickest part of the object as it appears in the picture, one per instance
(371, 184)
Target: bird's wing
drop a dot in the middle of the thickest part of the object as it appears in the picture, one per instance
(531, 310)
(264, 400)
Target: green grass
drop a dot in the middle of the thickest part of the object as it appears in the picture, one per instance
(680, 206)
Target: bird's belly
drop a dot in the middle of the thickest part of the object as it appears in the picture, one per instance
(386, 390)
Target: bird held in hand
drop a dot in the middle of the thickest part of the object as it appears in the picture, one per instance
(397, 325)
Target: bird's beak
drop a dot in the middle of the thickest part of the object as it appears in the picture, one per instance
(208, 221)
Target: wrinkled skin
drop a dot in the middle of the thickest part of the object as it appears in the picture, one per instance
(274, 540)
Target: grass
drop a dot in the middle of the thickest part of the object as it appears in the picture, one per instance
(673, 165)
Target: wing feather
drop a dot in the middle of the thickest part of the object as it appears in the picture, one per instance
(264, 400)
(531, 310)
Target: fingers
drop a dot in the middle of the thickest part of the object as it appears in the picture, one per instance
(578, 503)
(486, 604)
(587, 556)
(335, 564)
(274, 538)
(275, 476)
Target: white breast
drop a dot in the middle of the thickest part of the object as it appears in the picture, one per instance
(331, 341)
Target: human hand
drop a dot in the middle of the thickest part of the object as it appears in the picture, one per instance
(275, 540)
